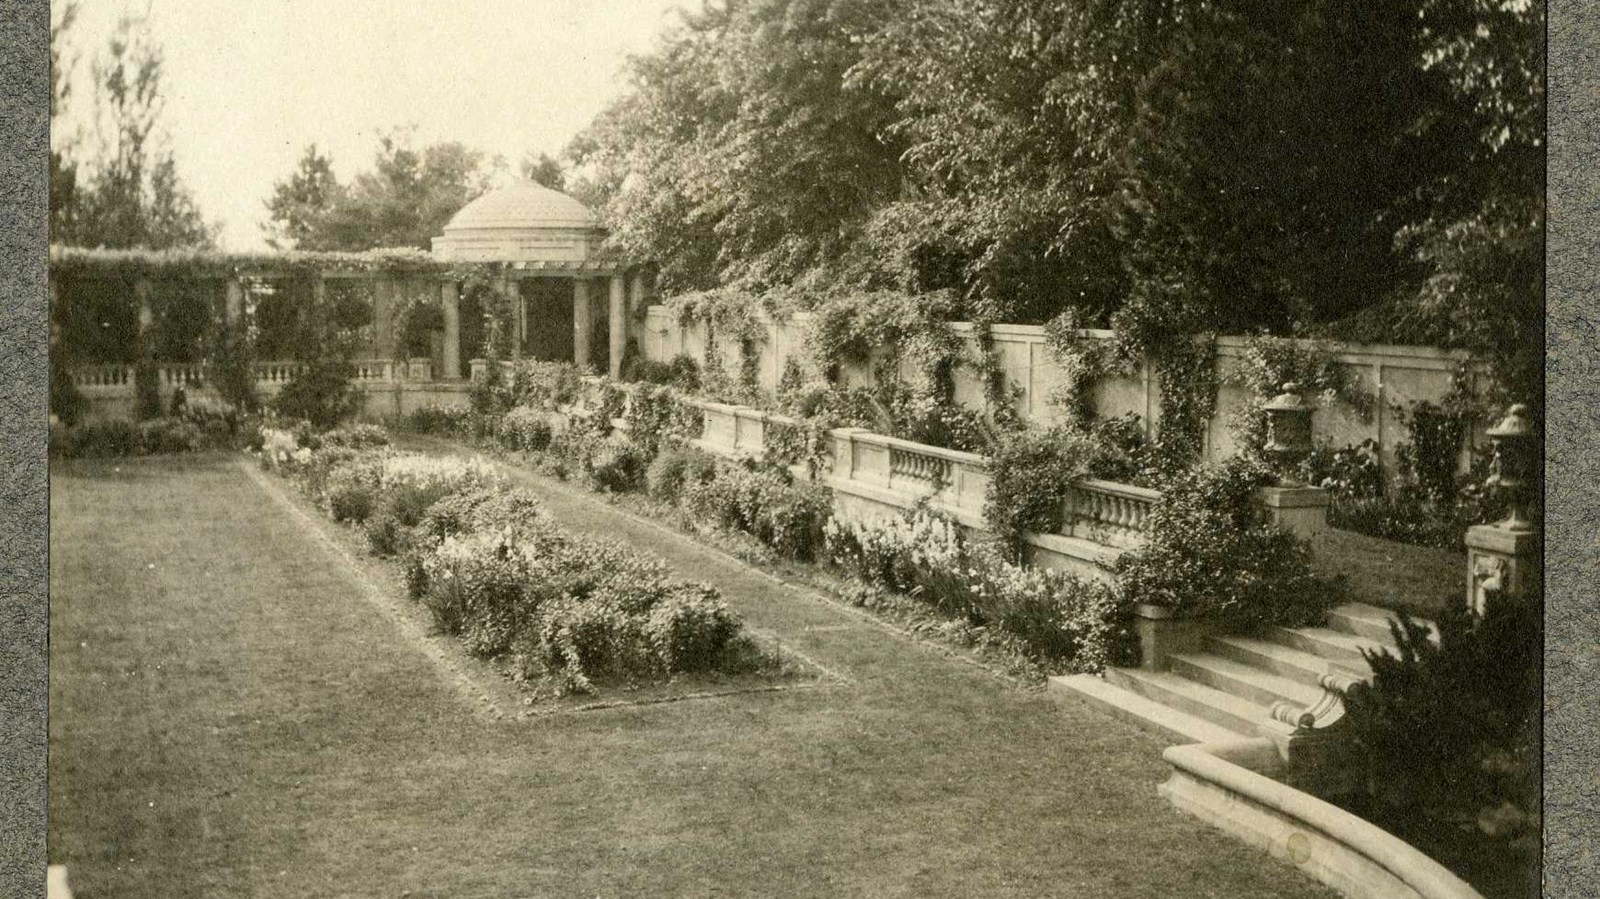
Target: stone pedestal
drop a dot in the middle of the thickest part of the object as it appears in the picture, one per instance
(480, 369)
(1163, 635)
(1501, 558)
(1302, 511)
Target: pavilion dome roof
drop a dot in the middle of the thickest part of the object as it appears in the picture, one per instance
(525, 225)
(523, 205)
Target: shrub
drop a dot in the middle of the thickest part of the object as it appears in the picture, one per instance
(766, 504)
(352, 488)
(1030, 475)
(446, 421)
(482, 509)
(617, 466)
(544, 385)
(1353, 472)
(1447, 735)
(167, 435)
(691, 630)
(675, 467)
(361, 436)
(1208, 554)
(1056, 620)
(525, 428)
(320, 393)
(101, 440)
(472, 581)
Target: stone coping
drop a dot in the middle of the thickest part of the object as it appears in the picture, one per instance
(1352, 855)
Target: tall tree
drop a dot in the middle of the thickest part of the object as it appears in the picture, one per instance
(300, 206)
(63, 170)
(133, 196)
(404, 201)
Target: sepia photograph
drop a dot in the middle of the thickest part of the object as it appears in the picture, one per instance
(904, 448)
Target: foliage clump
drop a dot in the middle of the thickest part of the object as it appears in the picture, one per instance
(1445, 738)
(1208, 554)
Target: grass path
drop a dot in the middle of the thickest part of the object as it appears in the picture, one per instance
(231, 716)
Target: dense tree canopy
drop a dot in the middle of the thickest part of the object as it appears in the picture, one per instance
(1163, 167)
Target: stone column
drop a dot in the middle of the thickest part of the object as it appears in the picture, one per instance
(450, 299)
(233, 304)
(383, 336)
(619, 325)
(511, 292)
(581, 324)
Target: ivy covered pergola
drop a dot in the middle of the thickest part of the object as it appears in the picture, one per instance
(528, 258)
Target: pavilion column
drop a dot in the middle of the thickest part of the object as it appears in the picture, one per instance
(383, 337)
(582, 323)
(450, 300)
(511, 292)
(233, 303)
(619, 324)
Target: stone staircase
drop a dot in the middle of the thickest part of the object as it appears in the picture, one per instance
(1234, 687)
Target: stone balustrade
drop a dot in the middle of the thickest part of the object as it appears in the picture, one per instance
(902, 473)
(1108, 512)
(277, 373)
(375, 371)
(93, 377)
(188, 376)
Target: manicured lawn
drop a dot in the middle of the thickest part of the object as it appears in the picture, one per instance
(233, 715)
(1385, 573)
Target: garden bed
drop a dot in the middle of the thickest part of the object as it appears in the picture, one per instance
(572, 620)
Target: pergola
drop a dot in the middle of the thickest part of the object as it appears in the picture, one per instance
(534, 232)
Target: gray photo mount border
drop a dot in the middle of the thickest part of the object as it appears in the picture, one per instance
(1572, 422)
(24, 498)
(1572, 716)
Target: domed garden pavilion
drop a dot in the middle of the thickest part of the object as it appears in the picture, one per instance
(571, 303)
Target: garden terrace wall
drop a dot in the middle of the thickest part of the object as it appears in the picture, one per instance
(1396, 376)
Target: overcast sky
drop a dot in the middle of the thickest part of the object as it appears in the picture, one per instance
(249, 83)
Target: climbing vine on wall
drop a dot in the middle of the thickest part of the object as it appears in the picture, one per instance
(1081, 362)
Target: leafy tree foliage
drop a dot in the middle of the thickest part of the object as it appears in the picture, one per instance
(1164, 167)
(542, 168)
(132, 195)
(745, 152)
(404, 201)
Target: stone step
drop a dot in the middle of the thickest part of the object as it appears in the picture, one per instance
(1295, 664)
(1243, 717)
(1370, 622)
(1335, 646)
(1257, 685)
(1162, 720)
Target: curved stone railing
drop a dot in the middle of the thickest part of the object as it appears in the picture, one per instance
(1356, 857)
